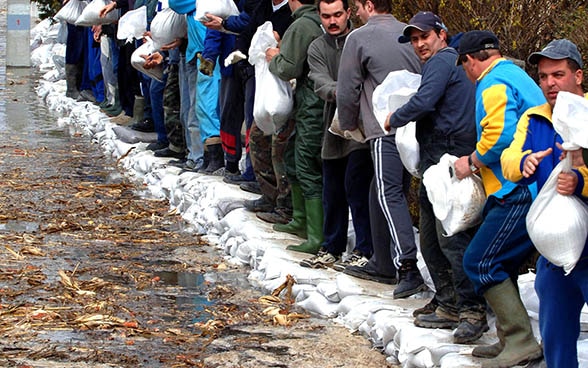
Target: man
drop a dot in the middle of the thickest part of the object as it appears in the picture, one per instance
(370, 53)
(503, 93)
(443, 108)
(347, 165)
(289, 62)
(530, 158)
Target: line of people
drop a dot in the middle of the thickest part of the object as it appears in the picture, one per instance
(332, 157)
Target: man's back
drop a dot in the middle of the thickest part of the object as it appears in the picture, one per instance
(370, 53)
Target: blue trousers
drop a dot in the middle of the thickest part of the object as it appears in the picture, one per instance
(207, 103)
(561, 299)
(156, 99)
(502, 243)
(346, 183)
(188, 81)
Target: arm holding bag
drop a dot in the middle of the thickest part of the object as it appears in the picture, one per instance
(558, 224)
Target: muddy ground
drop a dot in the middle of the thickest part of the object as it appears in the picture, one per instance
(93, 274)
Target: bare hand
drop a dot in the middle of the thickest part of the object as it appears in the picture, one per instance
(172, 45)
(577, 158)
(106, 9)
(462, 168)
(566, 183)
(152, 60)
(533, 160)
(387, 122)
(270, 53)
(214, 22)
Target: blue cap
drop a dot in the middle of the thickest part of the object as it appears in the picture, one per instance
(557, 50)
(423, 21)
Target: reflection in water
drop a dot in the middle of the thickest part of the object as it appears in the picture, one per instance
(190, 293)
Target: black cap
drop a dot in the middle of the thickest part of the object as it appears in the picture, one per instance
(423, 21)
(557, 50)
(474, 41)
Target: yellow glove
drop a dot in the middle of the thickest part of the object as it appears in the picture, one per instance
(206, 66)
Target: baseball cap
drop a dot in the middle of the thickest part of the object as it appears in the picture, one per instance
(423, 21)
(474, 41)
(557, 50)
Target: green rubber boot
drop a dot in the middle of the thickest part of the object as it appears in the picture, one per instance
(297, 226)
(314, 227)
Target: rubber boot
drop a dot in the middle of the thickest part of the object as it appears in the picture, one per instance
(314, 227)
(520, 345)
(71, 81)
(216, 155)
(297, 226)
(138, 107)
(490, 351)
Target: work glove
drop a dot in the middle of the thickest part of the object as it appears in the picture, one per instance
(206, 66)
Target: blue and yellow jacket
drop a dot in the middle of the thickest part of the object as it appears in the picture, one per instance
(535, 133)
(504, 92)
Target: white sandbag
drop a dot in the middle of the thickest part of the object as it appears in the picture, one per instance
(71, 11)
(398, 87)
(91, 14)
(558, 224)
(167, 26)
(132, 25)
(274, 99)
(220, 8)
(457, 203)
(408, 148)
(570, 118)
(138, 62)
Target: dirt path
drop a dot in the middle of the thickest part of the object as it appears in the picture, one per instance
(92, 274)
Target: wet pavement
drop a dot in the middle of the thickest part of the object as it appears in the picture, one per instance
(94, 274)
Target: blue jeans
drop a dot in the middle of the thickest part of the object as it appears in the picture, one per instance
(502, 243)
(189, 74)
(156, 96)
(561, 299)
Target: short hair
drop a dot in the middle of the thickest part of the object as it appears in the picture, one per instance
(381, 6)
(480, 55)
(307, 2)
(573, 65)
(345, 3)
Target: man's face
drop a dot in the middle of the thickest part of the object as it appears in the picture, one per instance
(426, 44)
(468, 65)
(362, 12)
(334, 17)
(555, 76)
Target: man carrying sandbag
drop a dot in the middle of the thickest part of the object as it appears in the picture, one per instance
(531, 157)
(501, 245)
(443, 108)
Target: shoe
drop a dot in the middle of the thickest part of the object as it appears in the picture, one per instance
(272, 217)
(471, 327)
(216, 160)
(410, 280)
(251, 187)
(314, 227)
(145, 126)
(194, 165)
(167, 152)
(236, 179)
(180, 162)
(440, 318)
(261, 204)
(368, 273)
(323, 259)
(156, 146)
(298, 224)
(354, 259)
(87, 95)
(428, 308)
(112, 110)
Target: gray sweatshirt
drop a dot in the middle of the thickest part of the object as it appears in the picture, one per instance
(370, 53)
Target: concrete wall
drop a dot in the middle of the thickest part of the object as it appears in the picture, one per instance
(18, 26)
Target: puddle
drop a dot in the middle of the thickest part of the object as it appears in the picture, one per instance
(188, 290)
(19, 226)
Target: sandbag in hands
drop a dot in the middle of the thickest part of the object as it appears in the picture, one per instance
(456, 203)
(132, 25)
(274, 98)
(91, 14)
(335, 128)
(558, 224)
(138, 61)
(167, 26)
(220, 8)
(71, 11)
